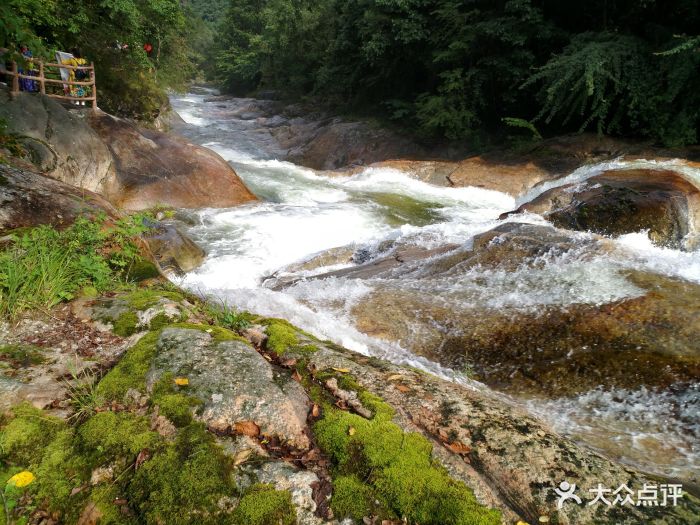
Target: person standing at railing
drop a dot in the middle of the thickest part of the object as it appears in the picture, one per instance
(80, 75)
(27, 84)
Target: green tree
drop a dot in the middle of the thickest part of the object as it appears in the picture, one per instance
(130, 82)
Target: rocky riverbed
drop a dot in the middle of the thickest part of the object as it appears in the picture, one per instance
(428, 341)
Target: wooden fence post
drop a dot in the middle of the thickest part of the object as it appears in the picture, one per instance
(94, 86)
(42, 84)
(15, 78)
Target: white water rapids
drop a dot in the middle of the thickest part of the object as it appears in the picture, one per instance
(302, 213)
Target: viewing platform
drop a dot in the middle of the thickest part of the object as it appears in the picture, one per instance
(51, 83)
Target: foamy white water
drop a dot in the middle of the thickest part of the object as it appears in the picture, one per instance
(303, 213)
(657, 432)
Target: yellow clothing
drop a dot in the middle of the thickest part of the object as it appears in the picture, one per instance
(77, 91)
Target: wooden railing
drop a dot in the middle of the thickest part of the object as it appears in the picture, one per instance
(45, 76)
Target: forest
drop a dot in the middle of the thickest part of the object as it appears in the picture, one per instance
(450, 70)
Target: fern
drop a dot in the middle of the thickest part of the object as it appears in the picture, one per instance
(592, 80)
(524, 124)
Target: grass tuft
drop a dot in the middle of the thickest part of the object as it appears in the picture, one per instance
(44, 266)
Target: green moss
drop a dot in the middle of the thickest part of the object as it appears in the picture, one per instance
(398, 466)
(280, 336)
(21, 356)
(400, 209)
(61, 469)
(131, 371)
(117, 434)
(217, 333)
(142, 270)
(89, 292)
(159, 321)
(263, 505)
(26, 434)
(174, 405)
(184, 483)
(379, 408)
(126, 324)
(143, 298)
(352, 499)
(283, 337)
(103, 498)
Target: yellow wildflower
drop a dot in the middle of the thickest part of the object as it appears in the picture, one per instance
(182, 381)
(21, 479)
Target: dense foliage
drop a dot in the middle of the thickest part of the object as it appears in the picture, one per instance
(42, 267)
(465, 68)
(112, 33)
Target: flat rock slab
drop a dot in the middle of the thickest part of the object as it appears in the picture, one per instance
(235, 383)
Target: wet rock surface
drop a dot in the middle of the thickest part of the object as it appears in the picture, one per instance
(651, 338)
(173, 250)
(626, 201)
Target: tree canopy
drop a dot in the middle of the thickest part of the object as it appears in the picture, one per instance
(465, 69)
(111, 33)
(460, 70)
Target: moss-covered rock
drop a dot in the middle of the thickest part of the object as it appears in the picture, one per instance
(141, 310)
(263, 505)
(27, 432)
(131, 371)
(235, 384)
(126, 324)
(112, 434)
(185, 482)
(398, 470)
(354, 499)
(172, 403)
(284, 338)
(142, 270)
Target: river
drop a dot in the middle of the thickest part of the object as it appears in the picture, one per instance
(302, 213)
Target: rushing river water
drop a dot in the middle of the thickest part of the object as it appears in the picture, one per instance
(302, 213)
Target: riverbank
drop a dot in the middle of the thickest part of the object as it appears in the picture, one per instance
(176, 405)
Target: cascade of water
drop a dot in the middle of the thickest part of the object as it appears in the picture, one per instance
(304, 212)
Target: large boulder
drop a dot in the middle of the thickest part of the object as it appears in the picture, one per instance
(334, 143)
(59, 142)
(154, 168)
(133, 168)
(241, 392)
(29, 199)
(663, 202)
